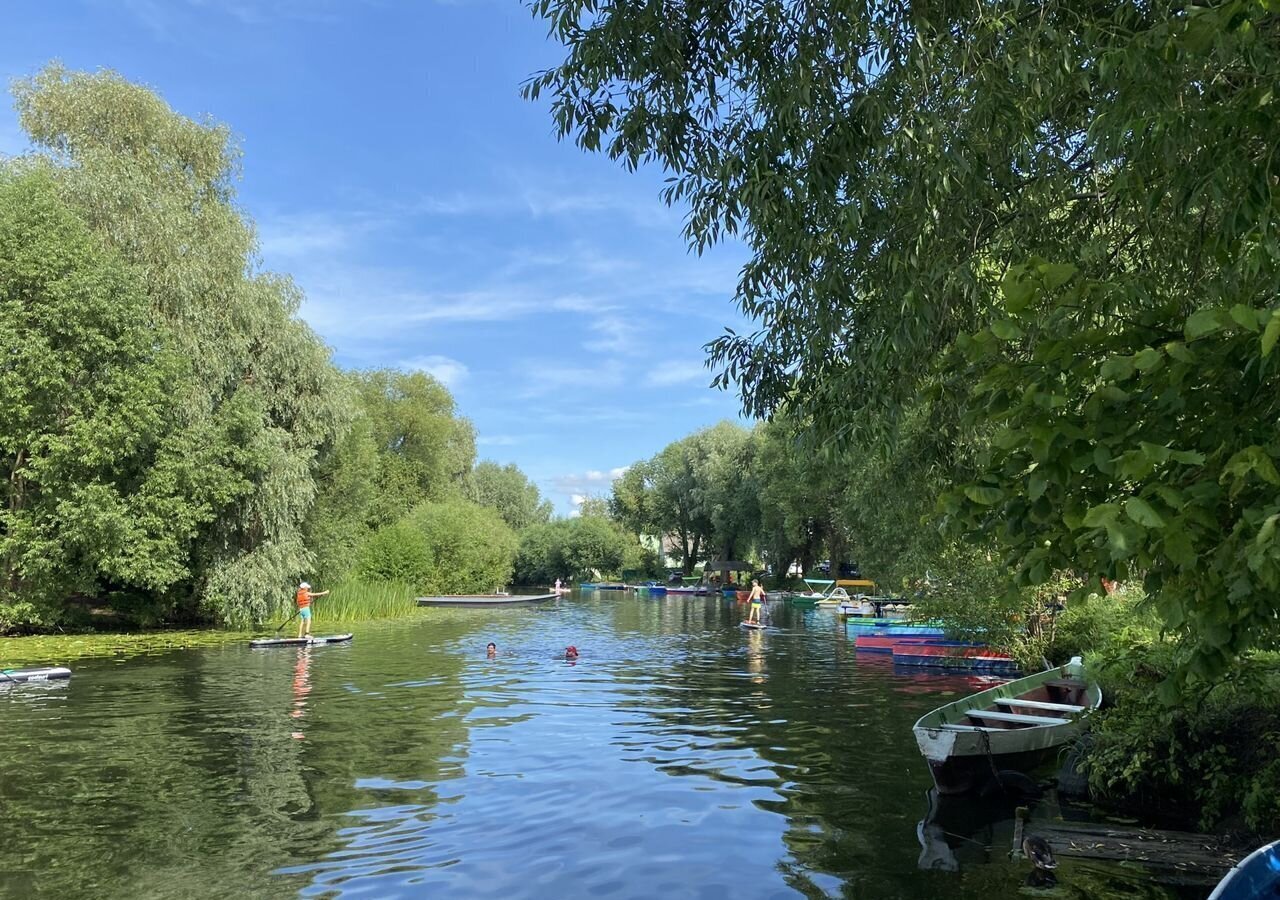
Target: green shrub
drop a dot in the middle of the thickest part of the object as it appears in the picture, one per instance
(471, 548)
(396, 552)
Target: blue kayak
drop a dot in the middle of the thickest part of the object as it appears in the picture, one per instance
(1256, 877)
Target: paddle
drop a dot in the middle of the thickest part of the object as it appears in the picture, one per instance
(5, 673)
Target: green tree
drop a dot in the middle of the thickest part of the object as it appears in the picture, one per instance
(577, 547)
(88, 501)
(510, 492)
(891, 166)
(257, 398)
(450, 547)
(425, 450)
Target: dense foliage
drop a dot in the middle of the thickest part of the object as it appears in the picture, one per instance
(584, 546)
(1056, 221)
(177, 443)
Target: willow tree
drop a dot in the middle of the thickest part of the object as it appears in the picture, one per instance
(892, 165)
(258, 397)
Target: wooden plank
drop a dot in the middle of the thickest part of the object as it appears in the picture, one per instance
(1040, 704)
(1197, 858)
(1014, 718)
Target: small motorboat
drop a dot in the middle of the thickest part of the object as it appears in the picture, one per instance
(1015, 725)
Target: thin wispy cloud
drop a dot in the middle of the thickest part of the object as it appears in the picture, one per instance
(678, 371)
(448, 372)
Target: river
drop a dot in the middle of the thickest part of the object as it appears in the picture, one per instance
(679, 757)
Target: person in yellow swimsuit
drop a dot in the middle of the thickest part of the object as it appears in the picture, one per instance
(757, 602)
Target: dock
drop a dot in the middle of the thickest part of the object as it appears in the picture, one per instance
(1174, 856)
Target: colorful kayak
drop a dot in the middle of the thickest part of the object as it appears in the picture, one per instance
(884, 643)
(954, 655)
(897, 628)
(28, 676)
(1256, 877)
(300, 642)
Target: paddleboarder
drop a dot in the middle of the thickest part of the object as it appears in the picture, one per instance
(304, 598)
(757, 602)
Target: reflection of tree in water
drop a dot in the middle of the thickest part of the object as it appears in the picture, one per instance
(838, 742)
(180, 775)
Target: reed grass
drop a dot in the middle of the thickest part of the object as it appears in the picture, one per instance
(356, 600)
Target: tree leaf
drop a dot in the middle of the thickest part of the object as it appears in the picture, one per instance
(984, 496)
(1141, 511)
(1203, 322)
(1271, 333)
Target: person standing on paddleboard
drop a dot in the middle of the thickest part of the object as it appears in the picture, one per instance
(757, 602)
(304, 598)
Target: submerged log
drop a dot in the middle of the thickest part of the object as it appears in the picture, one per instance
(1192, 858)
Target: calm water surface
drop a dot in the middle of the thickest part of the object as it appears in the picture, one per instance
(681, 756)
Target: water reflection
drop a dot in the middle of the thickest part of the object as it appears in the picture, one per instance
(683, 756)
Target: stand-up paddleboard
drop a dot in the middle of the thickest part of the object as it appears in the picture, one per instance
(754, 625)
(300, 642)
(26, 676)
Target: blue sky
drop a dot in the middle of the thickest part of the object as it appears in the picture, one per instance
(429, 213)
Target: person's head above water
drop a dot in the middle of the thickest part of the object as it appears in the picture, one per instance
(492, 649)
(571, 652)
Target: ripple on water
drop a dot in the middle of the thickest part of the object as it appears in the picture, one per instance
(678, 757)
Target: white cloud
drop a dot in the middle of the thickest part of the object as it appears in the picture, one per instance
(448, 372)
(546, 378)
(305, 234)
(677, 371)
(502, 440)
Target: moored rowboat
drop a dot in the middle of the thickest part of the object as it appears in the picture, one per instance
(954, 655)
(1011, 726)
(27, 676)
(484, 599)
(884, 643)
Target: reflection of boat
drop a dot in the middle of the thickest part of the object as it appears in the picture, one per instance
(1011, 726)
(953, 655)
(27, 676)
(1256, 877)
(484, 599)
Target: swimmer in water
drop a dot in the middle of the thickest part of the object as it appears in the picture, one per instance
(571, 652)
(491, 651)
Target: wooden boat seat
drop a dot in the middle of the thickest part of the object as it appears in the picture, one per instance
(1040, 704)
(1012, 718)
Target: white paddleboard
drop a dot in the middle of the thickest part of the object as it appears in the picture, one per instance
(26, 676)
(300, 642)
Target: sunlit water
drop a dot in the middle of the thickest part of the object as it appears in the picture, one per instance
(680, 756)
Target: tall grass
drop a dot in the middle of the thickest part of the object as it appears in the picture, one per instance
(356, 600)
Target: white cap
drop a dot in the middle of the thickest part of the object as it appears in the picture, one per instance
(305, 585)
